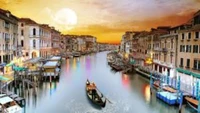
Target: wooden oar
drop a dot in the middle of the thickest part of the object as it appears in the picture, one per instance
(104, 96)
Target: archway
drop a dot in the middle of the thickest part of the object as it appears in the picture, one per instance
(34, 55)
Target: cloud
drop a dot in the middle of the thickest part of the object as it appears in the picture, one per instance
(63, 19)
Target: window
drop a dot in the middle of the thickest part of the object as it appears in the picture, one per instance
(172, 44)
(188, 63)
(34, 44)
(187, 48)
(196, 35)
(195, 49)
(180, 48)
(171, 58)
(181, 62)
(183, 48)
(198, 65)
(195, 64)
(189, 36)
(22, 43)
(22, 25)
(22, 32)
(26, 53)
(183, 36)
(34, 31)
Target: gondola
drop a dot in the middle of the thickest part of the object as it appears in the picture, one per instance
(94, 95)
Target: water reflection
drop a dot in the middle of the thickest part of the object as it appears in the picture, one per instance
(146, 92)
(74, 63)
(67, 67)
(125, 81)
(128, 92)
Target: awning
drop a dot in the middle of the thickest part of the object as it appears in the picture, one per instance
(2, 78)
(195, 75)
(51, 64)
(55, 58)
(10, 64)
(34, 60)
(184, 71)
(15, 68)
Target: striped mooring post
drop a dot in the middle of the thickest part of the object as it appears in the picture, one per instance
(197, 89)
(151, 83)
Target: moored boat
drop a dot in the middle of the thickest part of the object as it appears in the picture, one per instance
(116, 67)
(76, 54)
(8, 105)
(192, 102)
(94, 95)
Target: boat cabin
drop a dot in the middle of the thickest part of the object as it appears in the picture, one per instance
(8, 105)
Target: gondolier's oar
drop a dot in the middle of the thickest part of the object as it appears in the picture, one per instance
(104, 96)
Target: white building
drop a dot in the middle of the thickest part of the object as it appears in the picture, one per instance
(29, 38)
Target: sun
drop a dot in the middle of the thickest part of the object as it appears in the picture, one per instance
(66, 17)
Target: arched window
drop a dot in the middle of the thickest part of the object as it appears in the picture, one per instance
(22, 43)
(22, 32)
(34, 31)
(22, 24)
(34, 43)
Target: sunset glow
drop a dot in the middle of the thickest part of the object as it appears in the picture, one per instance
(105, 19)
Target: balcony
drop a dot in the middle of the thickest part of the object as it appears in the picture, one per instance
(166, 64)
(157, 49)
(164, 50)
(34, 36)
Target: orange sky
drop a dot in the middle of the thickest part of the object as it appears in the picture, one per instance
(105, 19)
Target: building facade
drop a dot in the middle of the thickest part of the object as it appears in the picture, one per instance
(8, 36)
(29, 38)
(55, 41)
(188, 60)
(45, 41)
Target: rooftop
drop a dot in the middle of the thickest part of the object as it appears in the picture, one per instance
(28, 21)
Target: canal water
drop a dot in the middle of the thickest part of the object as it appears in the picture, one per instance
(128, 93)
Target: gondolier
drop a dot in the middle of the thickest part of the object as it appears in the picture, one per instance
(93, 94)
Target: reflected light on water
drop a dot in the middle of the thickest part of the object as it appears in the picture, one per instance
(125, 80)
(74, 63)
(67, 70)
(52, 87)
(146, 92)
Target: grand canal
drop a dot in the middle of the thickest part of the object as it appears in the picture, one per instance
(128, 93)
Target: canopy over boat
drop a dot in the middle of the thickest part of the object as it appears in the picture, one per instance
(5, 99)
(17, 68)
(2, 78)
(51, 64)
(55, 58)
(34, 60)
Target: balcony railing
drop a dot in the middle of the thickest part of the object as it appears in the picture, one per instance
(157, 49)
(164, 49)
(166, 64)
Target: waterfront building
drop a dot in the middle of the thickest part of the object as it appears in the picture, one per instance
(29, 38)
(45, 41)
(139, 48)
(91, 44)
(157, 49)
(188, 60)
(8, 38)
(122, 44)
(165, 52)
(56, 41)
(81, 43)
